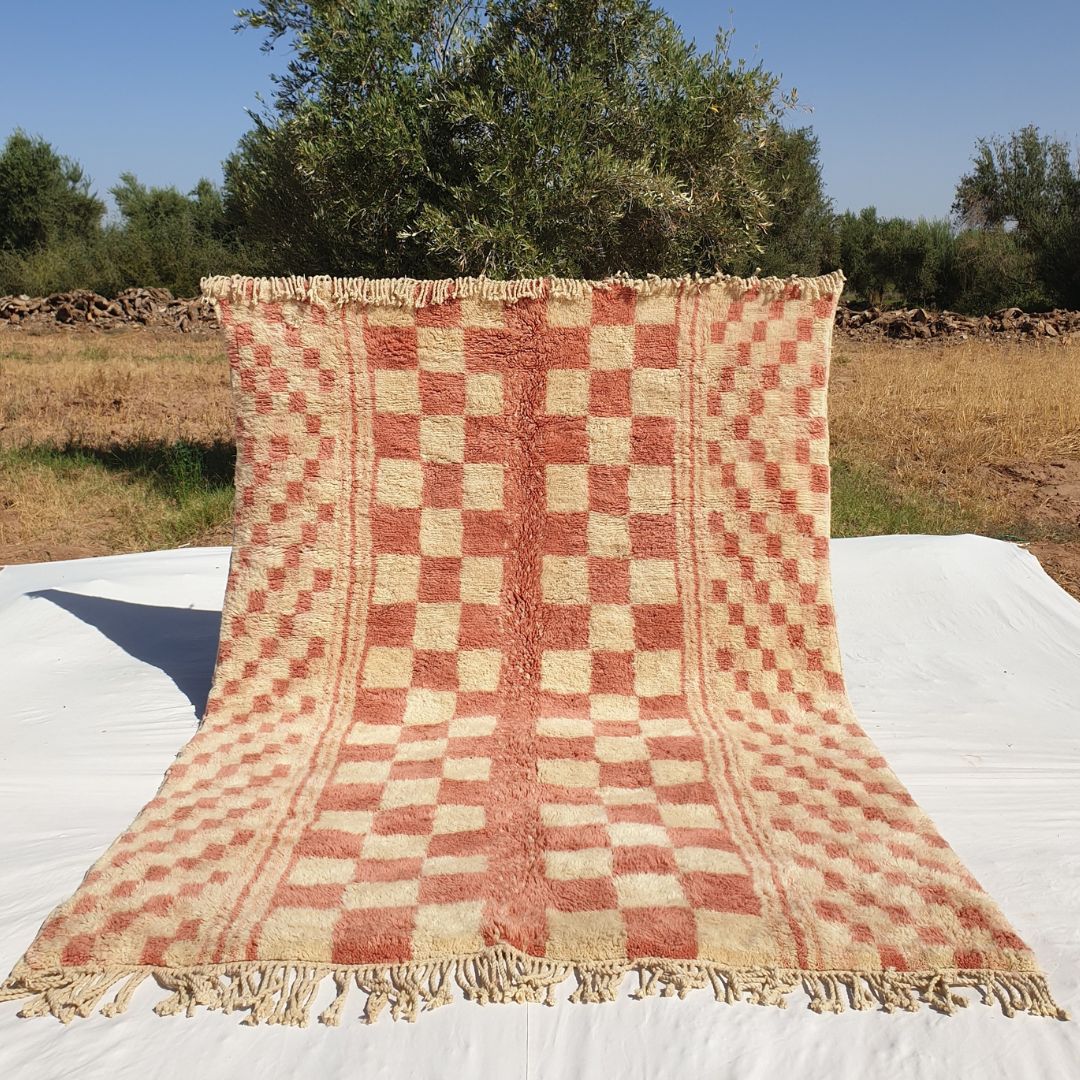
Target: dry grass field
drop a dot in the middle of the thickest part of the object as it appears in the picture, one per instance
(121, 442)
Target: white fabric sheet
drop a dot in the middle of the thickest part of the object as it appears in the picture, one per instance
(963, 662)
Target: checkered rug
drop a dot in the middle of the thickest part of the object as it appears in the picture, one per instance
(528, 675)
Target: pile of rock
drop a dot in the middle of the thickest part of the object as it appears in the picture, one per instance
(913, 324)
(132, 307)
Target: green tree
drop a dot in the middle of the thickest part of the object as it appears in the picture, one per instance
(44, 197)
(1030, 184)
(506, 137)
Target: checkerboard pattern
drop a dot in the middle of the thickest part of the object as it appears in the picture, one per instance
(529, 641)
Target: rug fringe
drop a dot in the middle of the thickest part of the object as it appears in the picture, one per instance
(410, 292)
(280, 993)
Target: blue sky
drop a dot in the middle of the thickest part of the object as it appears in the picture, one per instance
(898, 92)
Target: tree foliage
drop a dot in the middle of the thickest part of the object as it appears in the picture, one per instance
(506, 137)
(44, 197)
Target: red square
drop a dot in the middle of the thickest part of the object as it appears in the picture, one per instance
(434, 670)
(655, 346)
(658, 626)
(373, 936)
(609, 393)
(484, 532)
(609, 489)
(443, 483)
(721, 892)
(643, 858)
(397, 436)
(652, 536)
(562, 440)
(609, 580)
(440, 579)
(565, 626)
(447, 314)
(612, 673)
(391, 347)
(660, 931)
(395, 531)
(442, 393)
(487, 349)
(584, 894)
(614, 306)
(626, 774)
(565, 346)
(565, 534)
(486, 439)
(652, 440)
(480, 627)
(391, 624)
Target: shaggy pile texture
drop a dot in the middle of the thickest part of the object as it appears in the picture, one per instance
(528, 673)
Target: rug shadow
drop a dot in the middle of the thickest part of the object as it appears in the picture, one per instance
(181, 642)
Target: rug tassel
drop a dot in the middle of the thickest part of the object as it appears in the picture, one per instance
(280, 993)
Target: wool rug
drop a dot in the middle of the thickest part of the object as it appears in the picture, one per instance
(528, 674)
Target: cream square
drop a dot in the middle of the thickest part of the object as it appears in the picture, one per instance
(609, 439)
(441, 532)
(668, 773)
(421, 750)
(399, 483)
(567, 488)
(611, 347)
(453, 819)
(440, 348)
(650, 489)
(655, 391)
(415, 792)
(437, 626)
(660, 726)
(310, 871)
(471, 727)
(638, 834)
(448, 928)
(569, 310)
(564, 727)
(620, 707)
(362, 772)
(575, 865)
(689, 816)
(564, 579)
(424, 706)
(442, 438)
(381, 894)
(652, 581)
(397, 579)
(478, 670)
(658, 673)
(611, 627)
(567, 392)
(613, 748)
(483, 487)
(307, 932)
(481, 579)
(609, 536)
(397, 392)
(483, 394)
(467, 768)
(655, 308)
(600, 934)
(566, 772)
(350, 821)
(454, 864)
(561, 814)
(395, 846)
(388, 668)
(373, 734)
(631, 796)
(649, 890)
(480, 311)
(565, 671)
(707, 860)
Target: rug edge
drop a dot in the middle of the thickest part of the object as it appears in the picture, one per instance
(283, 992)
(412, 292)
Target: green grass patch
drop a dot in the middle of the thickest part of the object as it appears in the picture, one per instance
(865, 504)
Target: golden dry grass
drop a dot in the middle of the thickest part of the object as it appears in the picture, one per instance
(936, 418)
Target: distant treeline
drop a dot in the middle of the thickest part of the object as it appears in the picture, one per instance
(432, 138)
